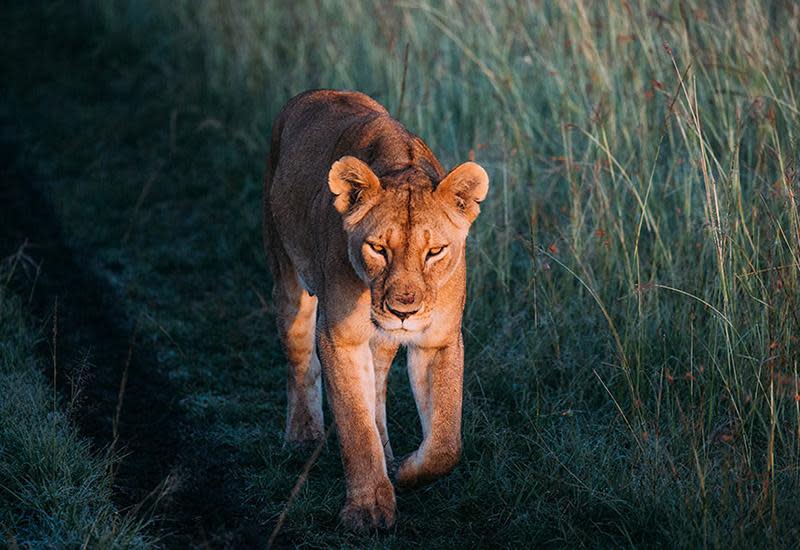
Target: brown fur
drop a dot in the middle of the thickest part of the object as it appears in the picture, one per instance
(365, 236)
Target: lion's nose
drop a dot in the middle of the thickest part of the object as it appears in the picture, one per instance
(403, 302)
(406, 298)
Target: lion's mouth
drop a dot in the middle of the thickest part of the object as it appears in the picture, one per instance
(391, 323)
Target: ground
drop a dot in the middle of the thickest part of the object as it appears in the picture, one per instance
(631, 328)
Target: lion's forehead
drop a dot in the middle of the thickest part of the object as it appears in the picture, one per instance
(422, 228)
(412, 210)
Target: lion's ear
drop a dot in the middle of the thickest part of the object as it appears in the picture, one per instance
(465, 186)
(349, 179)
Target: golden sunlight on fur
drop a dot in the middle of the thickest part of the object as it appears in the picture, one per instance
(365, 236)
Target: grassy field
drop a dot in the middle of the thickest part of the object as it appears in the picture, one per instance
(54, 492)
(632, 328)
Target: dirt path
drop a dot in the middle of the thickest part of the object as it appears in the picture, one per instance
(187, 488)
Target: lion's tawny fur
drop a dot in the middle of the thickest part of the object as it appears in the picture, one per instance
(365, 236)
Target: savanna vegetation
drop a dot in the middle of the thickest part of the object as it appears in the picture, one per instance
(54, 492)
(632, 325)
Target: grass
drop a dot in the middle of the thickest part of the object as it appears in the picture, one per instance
(54, 491)
(632, 327)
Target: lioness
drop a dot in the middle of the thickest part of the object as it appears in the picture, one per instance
(365, 237)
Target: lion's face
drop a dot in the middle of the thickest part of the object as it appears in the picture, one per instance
(405, 240)
(405, 248)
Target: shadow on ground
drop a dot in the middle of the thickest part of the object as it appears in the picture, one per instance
(104, 372)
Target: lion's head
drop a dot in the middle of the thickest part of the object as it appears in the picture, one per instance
(406, 234)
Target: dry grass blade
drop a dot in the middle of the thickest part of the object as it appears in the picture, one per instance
(301, 480)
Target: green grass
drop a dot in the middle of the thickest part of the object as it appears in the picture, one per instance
(632, 328)
(54, 491)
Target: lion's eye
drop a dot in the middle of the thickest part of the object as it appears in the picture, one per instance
(435, 251)
(378, 248)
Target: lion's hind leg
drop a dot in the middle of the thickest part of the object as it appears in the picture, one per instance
(296, 317)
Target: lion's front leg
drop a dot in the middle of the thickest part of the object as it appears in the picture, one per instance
(436, 376)
(350, 383)
(383, 352)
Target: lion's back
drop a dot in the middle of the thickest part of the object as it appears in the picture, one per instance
(306, 134)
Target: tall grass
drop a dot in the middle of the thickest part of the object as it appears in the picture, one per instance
(54, 492)
(636, 265)
(640, 244)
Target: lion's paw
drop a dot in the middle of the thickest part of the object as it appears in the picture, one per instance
(417, 469)
(371, 511)
(303, 437)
